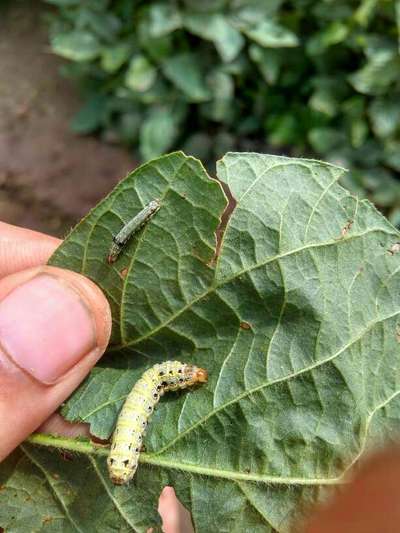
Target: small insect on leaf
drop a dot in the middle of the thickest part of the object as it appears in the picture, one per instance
(132, 422)
(131, 227)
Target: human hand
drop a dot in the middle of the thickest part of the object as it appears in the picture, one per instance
(54, 326)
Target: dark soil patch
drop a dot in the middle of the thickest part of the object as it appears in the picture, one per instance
(49, 177)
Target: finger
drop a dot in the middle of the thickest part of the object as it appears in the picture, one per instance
(22, 248)
(175, 518)
(370, 503)
(54, 326)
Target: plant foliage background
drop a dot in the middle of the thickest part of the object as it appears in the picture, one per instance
(297, 320)
(318, 76)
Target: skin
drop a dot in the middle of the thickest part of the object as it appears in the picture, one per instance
(368, 504)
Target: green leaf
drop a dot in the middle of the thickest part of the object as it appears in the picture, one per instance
(158, 132)
(113, 57)
(365, 11)
(397, 10)
(385, 115)
(105, 25)
(333, 34)
(222, 89)
(184, 71)
(163, 19)
(215, 27)
(76, 45)
(45, 492)
(296, 321)
(272, 35)
(247, 13)
(141, 74)
(63, 3)
(392, 155)
(269, 62)
(325, 140)
(379, 72)
(89, 118)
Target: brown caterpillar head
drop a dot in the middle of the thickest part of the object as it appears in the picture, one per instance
(201, 375)
(195, 374)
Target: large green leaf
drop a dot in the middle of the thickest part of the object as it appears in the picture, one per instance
(296, 321)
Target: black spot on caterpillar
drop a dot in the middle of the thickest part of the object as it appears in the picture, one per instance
(128, 435)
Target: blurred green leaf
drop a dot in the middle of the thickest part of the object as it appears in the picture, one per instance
(163, 19)
(105, 25)
(199, 145)
(335, 92)
(222, 89)
(113, 57)
(270, 34)
(158, 132)
(205, 5)
(392, 155)
(365, 11)
(375, 77)
(76, 45)
(269, 62)
(333, 34)
(186, 74)
(215, 27)
(385, 115)
(141, 74)
(325, 140)
(397, 8)
(90, 116)
(247, 13)
(64, 3)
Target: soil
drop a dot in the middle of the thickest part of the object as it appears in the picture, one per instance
(49, 177)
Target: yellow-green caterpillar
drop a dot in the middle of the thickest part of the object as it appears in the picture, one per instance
(132, 422)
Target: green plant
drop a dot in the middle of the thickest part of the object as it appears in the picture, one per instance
(295, 316)
(319, 76)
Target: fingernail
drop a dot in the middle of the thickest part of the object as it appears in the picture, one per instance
(46, 327)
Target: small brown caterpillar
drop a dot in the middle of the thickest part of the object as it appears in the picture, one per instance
(132, 422)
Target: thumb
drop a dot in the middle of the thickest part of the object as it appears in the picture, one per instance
(54, 326)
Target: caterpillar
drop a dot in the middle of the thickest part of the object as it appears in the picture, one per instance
(127, 439)
(130, 228)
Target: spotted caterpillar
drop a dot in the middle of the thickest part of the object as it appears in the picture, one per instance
(132, 422)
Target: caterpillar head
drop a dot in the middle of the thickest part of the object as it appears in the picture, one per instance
(121, 470)
(195, 374)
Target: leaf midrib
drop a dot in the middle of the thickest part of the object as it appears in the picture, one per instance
(88, 448)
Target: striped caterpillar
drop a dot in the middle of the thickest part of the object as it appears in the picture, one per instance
(130, 228)
(132, 422)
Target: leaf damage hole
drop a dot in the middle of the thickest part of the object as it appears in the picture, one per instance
(124, 273)
(66, 456)
(346, 228)
(394, 249)
(99, 443)
(226, 215)
(245, 325)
